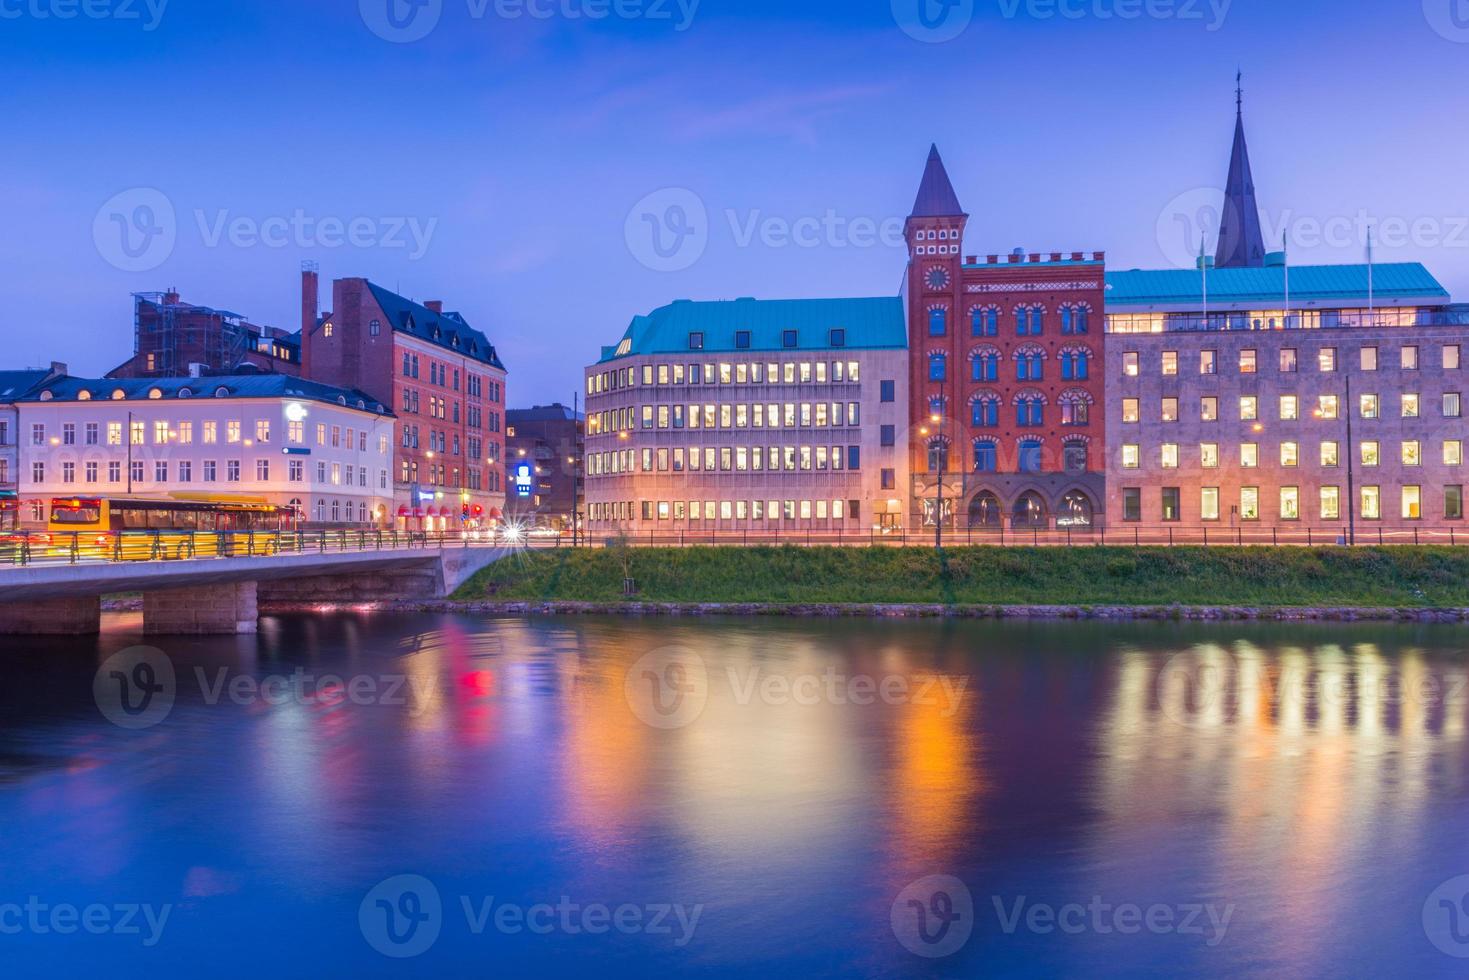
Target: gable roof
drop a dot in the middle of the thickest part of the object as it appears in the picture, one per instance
(15, 385)
(234, 386)
(870, 323)
(447, 330)
(1406, 283)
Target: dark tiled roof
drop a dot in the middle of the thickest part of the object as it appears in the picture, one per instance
(447, 330)
(936, 197)
(232, 386)
(540, 413)
(15, 384)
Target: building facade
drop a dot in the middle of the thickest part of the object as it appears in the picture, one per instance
(325, 451)
(751, 416)
(15, 385)
(544, 447)
(446, 385)
(174, 339)
(1004, 382)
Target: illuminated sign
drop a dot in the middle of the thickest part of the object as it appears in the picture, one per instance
(524, 480)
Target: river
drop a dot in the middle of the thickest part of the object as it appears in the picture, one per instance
(377, 795)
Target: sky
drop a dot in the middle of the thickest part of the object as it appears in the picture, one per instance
(551, 168)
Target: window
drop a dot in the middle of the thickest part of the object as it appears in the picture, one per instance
(1290, 454)
(1170, 456)
(985, 413)
(986, 457)
(788, 338)
(1171, 509)
(1132, 504)
(938, 456)
(1372, 503)
(1075, 366)
(1209, 455)
(1249, 503)
(1030, 412)
(1369, 406)
(1410, 406)
(1209, 409)
(1410, 358)
(1249, 408)
(1327, 407)
(1330, 503)
(1288, 360)
(1131, 457)
(938, 367)
(888, 435)
(1170, 410)
(1208, 362)
(1247, 362)
(1453, 452)
(1249, 455)
(985, 323)
(1369, 358)
(1129, 410)
(1290, 408)
(1030, 367)
(1074, 320)
(1412, 503)
(1130, 364)
(1453, 503)
(1370, 454)
(1412, 453)
(1451, 357)
(1209, 503)
(1452, 407)
(837, 337)
(1330, 454)
(1290, 503)
(888, 391)
(938, 323)
(1030, 456)
(1326, 360)
(1074, 457)
(696, 341)
(1170, 363)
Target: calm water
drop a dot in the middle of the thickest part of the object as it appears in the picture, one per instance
(720, 799)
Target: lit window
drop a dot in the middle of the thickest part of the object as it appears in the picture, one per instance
(1208, 362)
(1326, 360)
(1290, 503)
(1129, 410)
(1170, 456)
(1247, 362)
(1412, 453)
(1249, 408)
(1369, 358)
(1369, 406)
(1289, 408)
(1412, 503)
(1370, 454)
(1451, 357)
(1209, 455)
(1410, 406)
(1170, 410)
(1410, 358)
(1249, 503)
(1290, 454)
(1330, 503)
(1453, 452)
(1209, 503)
(1130, 364)
(1288, 360)
(1249, 455)
(1130, 457)
(1209, 408)
(1327, 407)
(1170, 363)
(1452, 407)
(1330, 454)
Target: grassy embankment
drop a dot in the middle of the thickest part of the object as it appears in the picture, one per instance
(1367, 577)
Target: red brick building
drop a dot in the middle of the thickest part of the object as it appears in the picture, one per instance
(1006, 380)
(174, 339)
(445, 382)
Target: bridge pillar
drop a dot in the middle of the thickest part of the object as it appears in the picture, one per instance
(204, 610)
(52, 617)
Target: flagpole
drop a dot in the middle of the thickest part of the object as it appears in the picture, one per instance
(1204, 271)
(1285, 255)
(1371, 299)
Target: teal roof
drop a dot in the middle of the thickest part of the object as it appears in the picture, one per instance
(1310, 284)
(870, 324)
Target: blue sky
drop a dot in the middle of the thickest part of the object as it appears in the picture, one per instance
(525, 150)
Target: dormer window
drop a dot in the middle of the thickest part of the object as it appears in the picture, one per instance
(838, 337)
(155, 393)
(788, 338)
(696, 341)
(118, 394)
(84, 395)
(742, 340)
(326, 329)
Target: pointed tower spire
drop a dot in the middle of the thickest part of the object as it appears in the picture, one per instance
(936, 197)
(1241, 242)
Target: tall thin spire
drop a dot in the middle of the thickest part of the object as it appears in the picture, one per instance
(936, 197)
(1241, 241)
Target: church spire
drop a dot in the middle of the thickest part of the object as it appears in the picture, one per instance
(936, 197)
(1241, 242)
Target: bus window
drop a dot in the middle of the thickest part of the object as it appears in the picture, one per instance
(84, 514)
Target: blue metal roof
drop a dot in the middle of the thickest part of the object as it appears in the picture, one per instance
(232, 386)
(875, 323)
(1311, 284)
(16, 384)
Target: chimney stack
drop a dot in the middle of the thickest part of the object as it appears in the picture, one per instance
(310, 307)
(436, 305)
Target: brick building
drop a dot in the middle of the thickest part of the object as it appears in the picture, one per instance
(174, 339)
(544, 447)
(1005, 392)
(445, 383)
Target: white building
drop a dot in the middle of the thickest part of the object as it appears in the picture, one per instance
(270, 438)
(15, 385)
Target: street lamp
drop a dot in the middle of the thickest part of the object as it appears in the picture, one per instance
(938, 510)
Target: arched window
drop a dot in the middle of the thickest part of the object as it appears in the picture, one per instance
(984, 510)
(1030, 511)
(1076, 510)
(1075, 410)
(1030, 411)
(1028, 321)
(1074, 456)
(1030, 367)
(1075, 365)
(986, 456)
(936, 406)
(1029, 457)
(938, 367)
(938, 322)
(985, 412)
(986, 367)
(1074, 320)
(938, 455)
(985, 323)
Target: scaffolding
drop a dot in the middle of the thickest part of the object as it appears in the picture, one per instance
(163, 328)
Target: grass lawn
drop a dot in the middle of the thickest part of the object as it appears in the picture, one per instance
(1421, 577)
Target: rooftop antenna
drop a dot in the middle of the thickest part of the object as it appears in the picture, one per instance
(1239, 92)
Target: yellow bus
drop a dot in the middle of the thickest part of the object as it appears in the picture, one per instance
(143, 530)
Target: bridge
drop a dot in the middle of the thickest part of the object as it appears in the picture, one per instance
(217, 584)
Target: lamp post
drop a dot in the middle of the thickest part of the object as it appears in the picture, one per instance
(938, 510)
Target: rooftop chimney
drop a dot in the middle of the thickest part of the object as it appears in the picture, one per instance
(310, 305)
(436, 305)
(171, 298)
